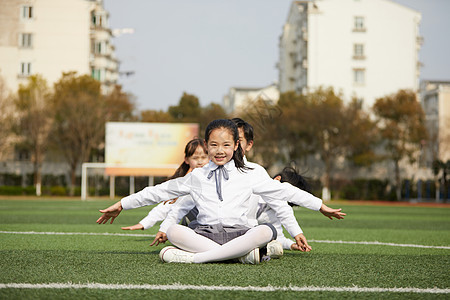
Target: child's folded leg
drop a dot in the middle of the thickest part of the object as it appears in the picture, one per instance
(187, 239)
(256, 237)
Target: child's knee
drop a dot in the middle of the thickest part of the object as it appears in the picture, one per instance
(173, 232)
(269, 231)
(265, 233)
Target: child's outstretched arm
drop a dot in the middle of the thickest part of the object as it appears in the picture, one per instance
(331, 212)
(111, 212)
(150, 195)
(137, 226)
(157, 214)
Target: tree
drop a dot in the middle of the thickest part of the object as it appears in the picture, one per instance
(120, 106)
(80, 115)
(401, 122)
(264, 116)
(319, 124)
(211, 112)
(188, 109)
(6, 120)
(323, 124)
(35, 122)
(362, 135)
(156, 116)
(438, 166)
(437, 145)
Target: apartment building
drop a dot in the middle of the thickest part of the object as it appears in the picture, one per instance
(364, 48)
(435, 99)
(49, 37)
(239, 98)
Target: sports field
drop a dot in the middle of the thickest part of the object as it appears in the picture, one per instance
(54, 249)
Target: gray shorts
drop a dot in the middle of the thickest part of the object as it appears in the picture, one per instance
(221, 234)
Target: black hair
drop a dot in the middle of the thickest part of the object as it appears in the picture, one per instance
(189, 150)
(238, 154)
(246, 127)
(291, 175)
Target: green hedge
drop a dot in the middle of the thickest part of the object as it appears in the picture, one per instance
(358, 189)
(17, 190)
(366, 189)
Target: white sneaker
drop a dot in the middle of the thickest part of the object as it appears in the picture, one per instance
(250, 258)
(171, 254)
(274, 249)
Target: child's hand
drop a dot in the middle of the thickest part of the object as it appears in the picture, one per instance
(134, 227)
(295, 247)
(161, 237)
(302, 243)
(111, 212)
(330, 212)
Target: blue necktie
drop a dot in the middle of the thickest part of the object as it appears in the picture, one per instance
(219, 172)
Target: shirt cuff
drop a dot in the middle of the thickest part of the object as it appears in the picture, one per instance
(294, 230)
(164, 226)
(127, 203)
(147, 223)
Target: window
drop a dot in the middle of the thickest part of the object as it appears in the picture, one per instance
(97, 74)
(21, 154)
(360, 101)
(359, 76)
(27, 12)
(26, 40)
(99, 47)
(25, 68)
(359, 24)
(98, 20)
(358, 51)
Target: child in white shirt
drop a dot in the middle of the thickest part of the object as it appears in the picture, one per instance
(259, 212)
(221, 191)
(195, 156)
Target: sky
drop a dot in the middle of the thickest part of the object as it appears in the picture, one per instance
(204, 47)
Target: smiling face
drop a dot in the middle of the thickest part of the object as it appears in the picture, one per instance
(221, 146)
(198, 159)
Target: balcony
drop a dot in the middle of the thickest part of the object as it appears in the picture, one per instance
(359, 57)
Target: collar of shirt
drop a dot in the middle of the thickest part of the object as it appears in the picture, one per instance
(212, 166)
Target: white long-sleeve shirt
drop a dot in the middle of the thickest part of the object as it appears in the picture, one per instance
(157, 214)
(178, 211)
(236, 192)
(268, 216)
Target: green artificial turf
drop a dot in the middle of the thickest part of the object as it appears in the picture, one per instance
(109, 259)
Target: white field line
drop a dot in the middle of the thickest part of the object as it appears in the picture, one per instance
(102, 286)
(77, 233)
(380, 243)
(152, 235)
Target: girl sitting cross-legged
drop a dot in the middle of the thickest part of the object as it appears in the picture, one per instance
(221, 191)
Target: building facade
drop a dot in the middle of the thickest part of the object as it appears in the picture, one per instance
(435, 99)
(49, 37)
(238, 98)
(365, 49)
